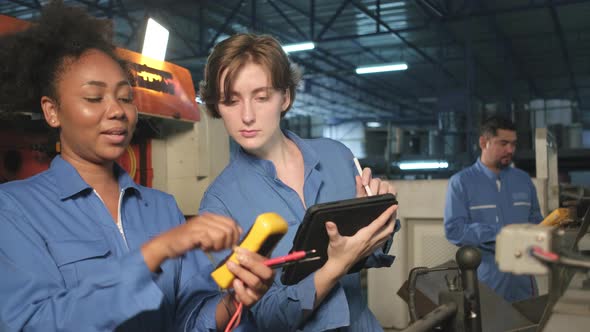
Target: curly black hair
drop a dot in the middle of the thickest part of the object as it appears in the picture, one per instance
(31, 61)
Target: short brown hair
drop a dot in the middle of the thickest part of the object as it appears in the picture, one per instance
(232, 54)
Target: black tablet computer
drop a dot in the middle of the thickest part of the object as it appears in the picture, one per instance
(350, 216)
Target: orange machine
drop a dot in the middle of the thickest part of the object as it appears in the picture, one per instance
(162, 90)
(10, 24)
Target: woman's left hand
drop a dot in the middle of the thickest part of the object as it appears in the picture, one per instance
(253, 278)
(377, 186)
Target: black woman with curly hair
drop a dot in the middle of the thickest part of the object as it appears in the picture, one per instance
(82, 247)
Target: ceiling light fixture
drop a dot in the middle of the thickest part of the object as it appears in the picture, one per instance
(298, 47)
(381, 68)
(155, 40)
(373, 124)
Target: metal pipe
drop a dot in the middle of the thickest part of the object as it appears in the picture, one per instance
(434, 318)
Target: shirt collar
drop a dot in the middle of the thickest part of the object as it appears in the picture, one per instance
(267, 168)
(69, 182)
(491, 175)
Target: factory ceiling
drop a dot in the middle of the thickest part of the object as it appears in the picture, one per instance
(459, 53)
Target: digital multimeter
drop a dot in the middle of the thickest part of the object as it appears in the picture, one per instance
(262, 237)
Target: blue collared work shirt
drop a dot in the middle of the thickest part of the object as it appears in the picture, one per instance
(249, 186)
(65, 266)
(478, 204)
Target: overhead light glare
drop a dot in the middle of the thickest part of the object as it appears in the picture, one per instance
(418, 165)
(373, 124)
(381, 68)
(299, 47)
(155, 40)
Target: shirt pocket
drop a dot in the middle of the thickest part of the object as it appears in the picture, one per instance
(77, 259)
(521, 211)
(483, 213)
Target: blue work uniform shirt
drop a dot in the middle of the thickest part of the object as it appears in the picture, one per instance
(65, 266)
(249, 186)
(478, 204)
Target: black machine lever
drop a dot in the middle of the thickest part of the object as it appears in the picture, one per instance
(468, 258)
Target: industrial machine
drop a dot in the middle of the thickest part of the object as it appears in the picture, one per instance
(449, 297)
(563, 254)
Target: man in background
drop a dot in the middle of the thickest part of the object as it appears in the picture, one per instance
(487, 196)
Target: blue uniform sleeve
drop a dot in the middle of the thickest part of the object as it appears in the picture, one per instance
(459, 228)
(33, 296)
(212, 204)
(282, 307)
(198, 295)
(37, 293)
(198, 298)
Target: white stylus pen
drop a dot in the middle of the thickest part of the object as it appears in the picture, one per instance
(360, 170)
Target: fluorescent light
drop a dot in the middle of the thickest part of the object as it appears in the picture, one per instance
(387, 5)
(413, 165)
(373, 124)
(298, 47)
(155, 40)
(381, 68)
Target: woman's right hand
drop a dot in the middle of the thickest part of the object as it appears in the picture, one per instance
(208, 232)
(345, 251)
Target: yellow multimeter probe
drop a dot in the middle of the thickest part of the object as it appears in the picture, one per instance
(262, 237)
